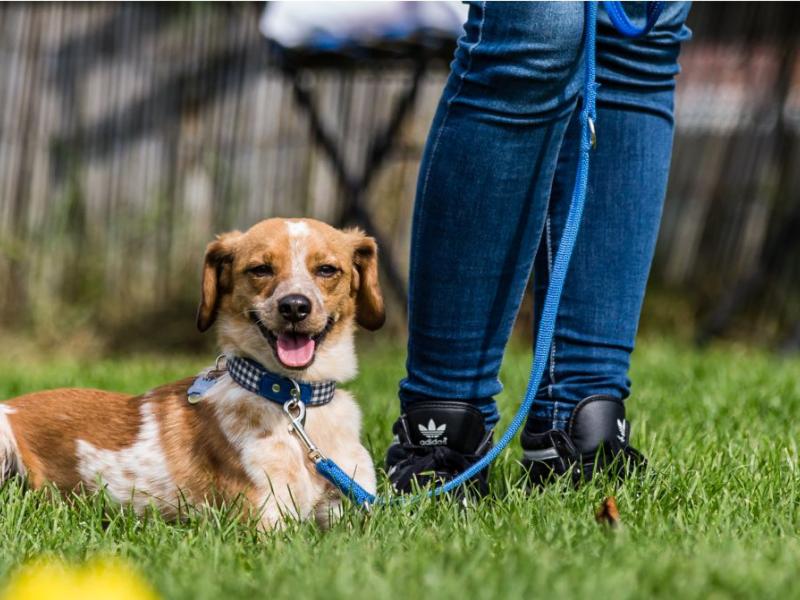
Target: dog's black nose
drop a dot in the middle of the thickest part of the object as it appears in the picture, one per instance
(294, 307)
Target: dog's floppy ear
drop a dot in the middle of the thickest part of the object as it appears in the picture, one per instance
(217, 278)
(370, 313)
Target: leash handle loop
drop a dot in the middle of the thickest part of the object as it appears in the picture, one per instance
(623, 24)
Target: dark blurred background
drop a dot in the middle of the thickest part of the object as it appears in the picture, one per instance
(131, 133)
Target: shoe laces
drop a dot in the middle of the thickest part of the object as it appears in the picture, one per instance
(436, 458)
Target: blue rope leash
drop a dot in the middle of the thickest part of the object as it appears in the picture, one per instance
(329, 469)
(624, 25)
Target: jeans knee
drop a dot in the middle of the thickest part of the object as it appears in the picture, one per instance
(519, 60)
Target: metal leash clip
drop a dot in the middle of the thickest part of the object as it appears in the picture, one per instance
(295, 410)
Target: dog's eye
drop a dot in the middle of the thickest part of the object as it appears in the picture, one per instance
(327, 270)
(261, 271)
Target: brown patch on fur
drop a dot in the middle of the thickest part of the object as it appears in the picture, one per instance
(247, 417)
(202, 462)
(217, 278)
(46, 426)
(370, 313)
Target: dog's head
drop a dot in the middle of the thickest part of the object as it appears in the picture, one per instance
(287, 292)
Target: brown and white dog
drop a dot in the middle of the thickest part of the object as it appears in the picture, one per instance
(287, 293)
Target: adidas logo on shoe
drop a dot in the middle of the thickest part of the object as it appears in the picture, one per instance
(433, 434)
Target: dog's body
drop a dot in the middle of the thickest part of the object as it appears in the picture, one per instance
(287, 294)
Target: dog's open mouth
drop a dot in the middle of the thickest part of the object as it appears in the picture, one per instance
(294, 349)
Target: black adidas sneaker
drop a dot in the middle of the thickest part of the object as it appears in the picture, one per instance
(596, 437)
(435, 440)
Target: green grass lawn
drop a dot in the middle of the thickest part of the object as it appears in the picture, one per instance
(716, 516)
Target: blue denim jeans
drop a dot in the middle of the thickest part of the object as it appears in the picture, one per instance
(494, 189)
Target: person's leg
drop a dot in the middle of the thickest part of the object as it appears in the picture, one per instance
(599, 312)
(482, 193)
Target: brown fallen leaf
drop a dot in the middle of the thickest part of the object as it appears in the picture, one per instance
(608, 513)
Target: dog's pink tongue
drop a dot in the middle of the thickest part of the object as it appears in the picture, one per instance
(295, 350)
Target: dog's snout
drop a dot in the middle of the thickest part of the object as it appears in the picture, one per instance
(294, 307)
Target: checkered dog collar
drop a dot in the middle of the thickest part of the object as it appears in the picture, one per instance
(253, 377)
